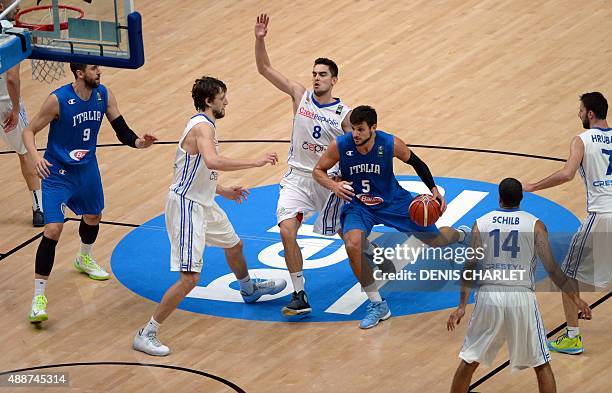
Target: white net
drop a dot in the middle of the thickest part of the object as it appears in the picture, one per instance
(46, 70)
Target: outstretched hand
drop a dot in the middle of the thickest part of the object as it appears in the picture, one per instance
(268, 158)
(145, 141)
(261, 27)
(455, 318)
(235, 193)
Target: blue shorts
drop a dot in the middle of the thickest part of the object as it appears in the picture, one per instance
(77, 186)
(356, 215)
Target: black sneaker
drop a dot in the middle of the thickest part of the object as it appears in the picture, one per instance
(298, 305)
(38, 218)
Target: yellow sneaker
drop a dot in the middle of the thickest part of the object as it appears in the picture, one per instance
(86, 264)
(565, 344)
(38, 312)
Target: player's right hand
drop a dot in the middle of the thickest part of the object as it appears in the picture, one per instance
(11, 121)
(268, 158)
(343, 190)
(455, 318)
(261, 27)
(584, 308)
(42, 167)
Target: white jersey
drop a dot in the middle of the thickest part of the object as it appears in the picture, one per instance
(4, 95)
(596, 169)
(509, 248)
(192, 180)
(315, 126)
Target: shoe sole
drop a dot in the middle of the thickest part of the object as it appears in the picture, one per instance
(97, 278)
(38, 319)
(387, 316)
(567, 351)
(288, 312)
(147, 353)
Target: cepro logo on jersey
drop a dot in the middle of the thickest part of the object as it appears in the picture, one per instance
(78, 154)
(314, 147)
(334, 293)
(315, 116)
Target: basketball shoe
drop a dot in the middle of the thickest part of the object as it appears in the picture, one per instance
(263, 287)
(376, 312)
(565, 344)
(38, 312)
(86, 264)
(149, 344)
(298, 305)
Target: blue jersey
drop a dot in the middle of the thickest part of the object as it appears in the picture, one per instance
(372, 174)
(74, 134)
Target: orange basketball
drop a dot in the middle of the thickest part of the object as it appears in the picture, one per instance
(424, 210)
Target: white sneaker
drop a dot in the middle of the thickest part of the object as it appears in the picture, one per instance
(86, 264)
(149, 344)
(38, 311)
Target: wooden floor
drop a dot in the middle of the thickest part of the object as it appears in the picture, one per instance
(500, 75)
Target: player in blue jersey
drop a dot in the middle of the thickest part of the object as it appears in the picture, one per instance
(69, 170)
(369, 184)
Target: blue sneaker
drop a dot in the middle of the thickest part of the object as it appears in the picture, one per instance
(376, 312)
(468, 234)
(263, 287)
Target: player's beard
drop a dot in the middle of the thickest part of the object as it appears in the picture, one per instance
(219, 113)
(585, 123)
(366, 141)
(91, 83)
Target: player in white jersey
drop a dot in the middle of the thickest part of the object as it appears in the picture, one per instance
(194, 219)
(588, 258)
(14, 121)
(318, 119)
(506, 308)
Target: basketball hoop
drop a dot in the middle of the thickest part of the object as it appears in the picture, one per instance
(37, 19)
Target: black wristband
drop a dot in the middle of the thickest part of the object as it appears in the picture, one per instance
(421, 170)
(124, 133)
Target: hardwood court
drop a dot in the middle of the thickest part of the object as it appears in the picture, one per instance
(480, 74)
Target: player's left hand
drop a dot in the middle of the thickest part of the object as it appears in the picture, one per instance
(235, 193)
(583, 307)
(436, 194)
(455, 318)
(10, 122)
(146, 141)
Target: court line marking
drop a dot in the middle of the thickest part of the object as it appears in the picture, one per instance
(457, 148)
(224, 381)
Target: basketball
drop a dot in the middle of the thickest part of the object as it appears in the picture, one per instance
(424, 210)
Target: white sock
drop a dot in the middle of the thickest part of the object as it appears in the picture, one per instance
(39, 286)
(151, 327)
(246, 285)
(297, 279)
(37, 200)
(86, 249)
(372, 292)
(573, 331)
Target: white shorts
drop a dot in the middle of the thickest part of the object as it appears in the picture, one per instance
(14, 138)
(300, 193)
(190, 227)
(506, 314)
(588, 259)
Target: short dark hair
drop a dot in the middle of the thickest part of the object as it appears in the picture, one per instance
(364, 113)
(74, 67)
(206, 87)
(511, 192)
(596, 102)
(333, 68)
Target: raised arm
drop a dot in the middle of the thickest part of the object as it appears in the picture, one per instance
(561, 280)
(123, 131)
(13, 85)
(564, 174)
(205, 138)
(294, 89)
(401, 151)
